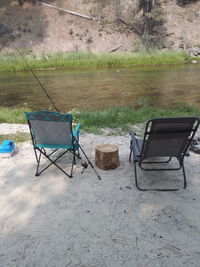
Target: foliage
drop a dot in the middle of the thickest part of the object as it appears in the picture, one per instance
(21, 2)
(17, 137)
(150, 25)
(13, 62)
(185, 2)
(116, 117)
(124, 117)
(12, 115)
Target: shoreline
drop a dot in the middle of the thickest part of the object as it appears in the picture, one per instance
(12, 128)
(89, 61)
(107, 67)
(15, 128)
(119, 119)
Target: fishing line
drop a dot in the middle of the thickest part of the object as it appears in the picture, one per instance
(42, 87)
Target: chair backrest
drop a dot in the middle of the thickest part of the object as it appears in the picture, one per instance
(50, 128)
(168, 137)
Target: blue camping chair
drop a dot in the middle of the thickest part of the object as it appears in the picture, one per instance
(53, 131)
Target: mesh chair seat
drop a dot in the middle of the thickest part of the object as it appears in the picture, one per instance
(75, 145)
(52, 130)
(163, 137)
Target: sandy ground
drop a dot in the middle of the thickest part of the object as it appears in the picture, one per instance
(52, 220)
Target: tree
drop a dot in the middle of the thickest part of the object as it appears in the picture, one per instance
(21, 2)
(150, 24)
(185, 2)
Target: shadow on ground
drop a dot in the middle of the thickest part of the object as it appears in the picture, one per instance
(55, 221)
(21, 26)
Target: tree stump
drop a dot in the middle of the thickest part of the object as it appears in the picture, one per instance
(107, 156)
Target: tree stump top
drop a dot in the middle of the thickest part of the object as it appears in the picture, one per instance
(107, 156)
(106, 148)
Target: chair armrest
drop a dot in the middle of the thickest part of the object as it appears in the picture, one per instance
(132, 134)
(134, 146)
(76, 131)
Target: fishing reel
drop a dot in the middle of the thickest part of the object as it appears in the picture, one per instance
(84, 165)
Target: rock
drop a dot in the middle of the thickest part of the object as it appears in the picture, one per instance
(196, 149)
(197, 13)
(3, 29)
(194, 52)
(168, 34)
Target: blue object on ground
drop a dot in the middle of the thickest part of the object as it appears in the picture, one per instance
(7, 146)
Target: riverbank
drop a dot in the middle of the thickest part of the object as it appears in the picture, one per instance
(83, 61)
(118, 118)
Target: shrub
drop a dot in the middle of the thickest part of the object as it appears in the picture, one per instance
(150, 25)
(185, 2)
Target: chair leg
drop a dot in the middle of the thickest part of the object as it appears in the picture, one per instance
(78, 154)
(154, 162)
(150, 189)
(130, 155)
(168, 160)
(38, 158)
(184, 176)
(52, 162)
(136, 179)
(73, 163)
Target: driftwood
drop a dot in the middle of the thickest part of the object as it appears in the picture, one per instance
(69, 12)
(123, 21)
(115, 48)
(131, 27)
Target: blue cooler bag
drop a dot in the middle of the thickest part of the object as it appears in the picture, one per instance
(7, 148)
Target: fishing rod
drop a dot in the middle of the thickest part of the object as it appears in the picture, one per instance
(84, 164)
(41, 86)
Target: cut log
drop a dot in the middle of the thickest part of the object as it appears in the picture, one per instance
(69, 11)
(107, 156)
(114, 48)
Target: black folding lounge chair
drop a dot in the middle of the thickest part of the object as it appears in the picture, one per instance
(53, 131)
(163, 137)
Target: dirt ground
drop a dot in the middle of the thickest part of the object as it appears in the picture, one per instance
(52, 220)
(40, 29)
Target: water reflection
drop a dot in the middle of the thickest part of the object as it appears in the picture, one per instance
(166, 86)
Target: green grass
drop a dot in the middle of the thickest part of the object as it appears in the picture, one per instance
(124, 117)
(14, 62)
(116, 117)
(195, 59)
(17, 137)
(12, 115)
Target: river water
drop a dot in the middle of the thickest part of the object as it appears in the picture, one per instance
(164, 86)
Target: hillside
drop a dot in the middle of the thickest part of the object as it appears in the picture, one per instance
(37, 28)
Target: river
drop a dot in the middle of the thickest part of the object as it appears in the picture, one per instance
(162, 86)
